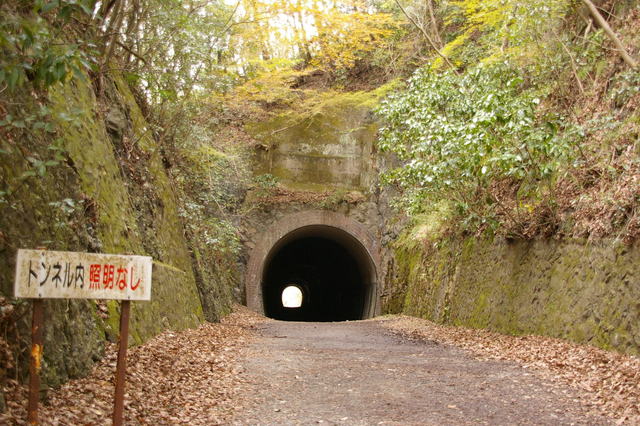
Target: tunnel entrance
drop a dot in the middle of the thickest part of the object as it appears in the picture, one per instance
(332, 283)
(329, 260)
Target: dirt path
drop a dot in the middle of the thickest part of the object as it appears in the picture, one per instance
(394, 370)
(359, 373)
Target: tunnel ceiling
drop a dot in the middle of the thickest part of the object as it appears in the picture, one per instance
(330, 261)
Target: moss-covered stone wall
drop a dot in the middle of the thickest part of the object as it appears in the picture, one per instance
(326, 142)
(321, 150)
(111, 193)
(585, 292)
(135, 206)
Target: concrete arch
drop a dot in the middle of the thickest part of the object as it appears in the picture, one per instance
(314, 231)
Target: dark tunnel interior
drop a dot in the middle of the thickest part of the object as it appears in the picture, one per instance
(332, 270)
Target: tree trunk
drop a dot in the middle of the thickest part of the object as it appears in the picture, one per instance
(607, 29)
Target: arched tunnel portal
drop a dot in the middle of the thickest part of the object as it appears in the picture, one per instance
(330, 258)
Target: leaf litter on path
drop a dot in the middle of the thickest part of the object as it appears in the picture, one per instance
(608, 382)
(178, 377)
(194, 377)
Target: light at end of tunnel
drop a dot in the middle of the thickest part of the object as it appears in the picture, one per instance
(292, 297)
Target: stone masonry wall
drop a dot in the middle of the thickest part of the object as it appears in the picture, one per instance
(585, 292)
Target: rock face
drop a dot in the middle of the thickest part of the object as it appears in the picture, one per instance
(587, 293)
(110, 194)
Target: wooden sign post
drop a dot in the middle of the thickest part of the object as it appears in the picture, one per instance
(42, 274)
(37, 321)
(121, 367)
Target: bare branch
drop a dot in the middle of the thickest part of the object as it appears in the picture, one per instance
(431, 42)
(125, 47)
(572, 62)
(607, 29)
(434, 23)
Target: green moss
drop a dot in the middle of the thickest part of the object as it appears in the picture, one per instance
(321, 142)
(479, 315)
(112, 323)
(120, 215)
(572, 290)
(96, 163)
(119, 220)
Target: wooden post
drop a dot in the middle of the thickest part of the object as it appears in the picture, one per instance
(37, 323)
(121, 368)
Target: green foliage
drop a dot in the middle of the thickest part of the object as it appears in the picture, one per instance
(37, 53)
(64, 211)
(31, 47)
(37, 120)
(457, 134)
(265, 184)
(624, 86)
(208, 176)
(173, 48)
(40, 166)
(490, 30)
(210, 183)
(34, 123)
(218, 235)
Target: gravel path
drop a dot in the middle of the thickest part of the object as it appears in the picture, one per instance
(359, 373)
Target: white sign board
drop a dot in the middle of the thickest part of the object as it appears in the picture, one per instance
(71, 275)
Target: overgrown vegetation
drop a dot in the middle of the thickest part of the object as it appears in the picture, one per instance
(211, 185)
(458, 135)
(517, 120)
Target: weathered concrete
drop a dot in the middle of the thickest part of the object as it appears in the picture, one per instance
(330, 144)
(324, 147)
(330, 225)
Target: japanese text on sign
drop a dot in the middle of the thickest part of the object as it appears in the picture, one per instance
(73, 275)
